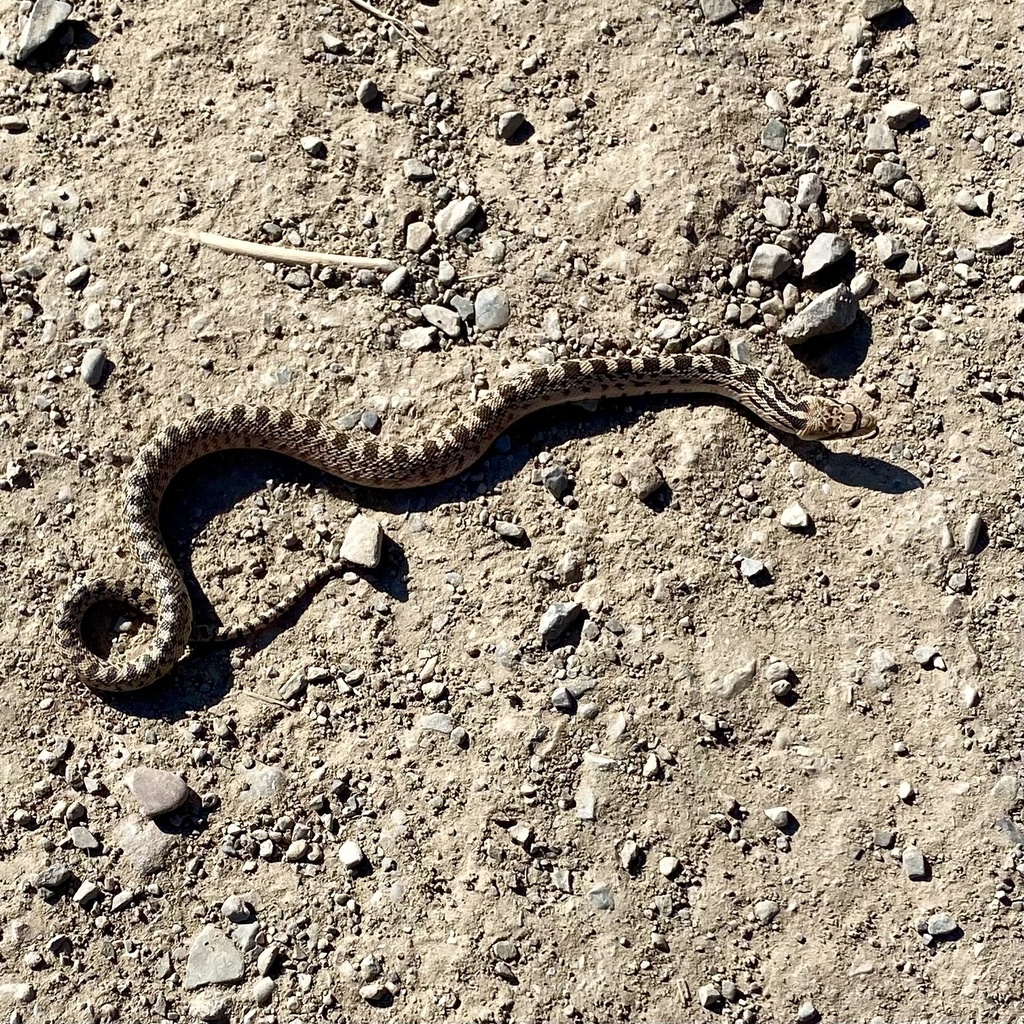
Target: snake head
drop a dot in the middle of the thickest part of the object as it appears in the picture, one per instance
(828, 419)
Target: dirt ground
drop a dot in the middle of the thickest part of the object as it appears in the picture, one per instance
(563, 829)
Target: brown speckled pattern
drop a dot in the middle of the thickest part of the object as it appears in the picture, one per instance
(366, 461)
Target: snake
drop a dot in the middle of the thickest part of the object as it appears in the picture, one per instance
(362, 460)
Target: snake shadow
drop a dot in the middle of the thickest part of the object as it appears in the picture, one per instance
(216, 483)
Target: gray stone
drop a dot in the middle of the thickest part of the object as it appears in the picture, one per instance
(766, 911)
(862, 284)
(888, 172)
(556, 480)
(644, 477)
(809, 190)
(77, 278)
(794, 517)
(830, 312)
(941, 925)
(446, 320)
(367, 92)
(710, 997)
(437, 722)
(995, 243)
(419, 236)
(350, 853)
(398, 278)
(158, 792)
(53, 877)
(563, 700)
(263, 991)
(996, 101)
(509, 123)
(914, 866)
(298, 279)
(900, 114)
(773, 136)
(417, 339)
(417, 170)
(145, 846)
(237, 910)
(45, 18)
(751, 568)
(827, 249)
(972, 533)
(718, 11)
(363, 543)
(778, 816)
(769, 262)
(74, 80)
(332, 43)
(601, 898)
(909, 191)
(82, 839)
(213, 959)
(456, 215)
(491, 309)
(777, 212)
(94, 362)
(314, 146)
(879, 138)
(873, 9)
(891, 250)
(558, 618)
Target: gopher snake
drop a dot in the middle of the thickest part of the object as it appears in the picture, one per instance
(365, 461)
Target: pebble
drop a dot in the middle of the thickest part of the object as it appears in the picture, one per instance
(769, 262)
(237, 910)
(975, 205)
(314, 146)
(891, 250)
(710, 997)
(718, 11)
(437, 721)
(825, 251)
(830, 312)
(906, 792)
(419, 236)
(397, 280)
(298, 278)
(909, 192)
(563, 700)
(367, 92)
(350, 853)
(417, 339)
(807, 1014)
(157, 791)
(263, 991)
(669, 866)
(914, 866)
(445, 320)
(94, 362)
(996, 101)
(773, 136)
(491, 309)
(74, 80)
(777, 212)
(941, 925)
(928, 657)
(879, 139)
(43, 21)
(751, 568)
(82, 839)
(736, 681)
(778, 816)
(969, 99)
(809, 190)
(874, 9)
(363, 543)
(766, 911)
(17, 992)
(556, 480)
(644, 477)
(213, 959)
(509, 123)
(455, 216)
(794, 517)
(86, 893)
(972, 533)
(417, 170)
(558, 618)
(995, 243)
(76, 278)
(900, 114)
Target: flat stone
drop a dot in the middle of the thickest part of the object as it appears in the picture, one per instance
(891, 250)
(74, 80)
(941, 925)
(777, 212)
(213, 959)
(996, 101)
(830, 312)
(447, 321)
(417, 170)
(455, 216)
(419, 236)
(879, 138)
(417, 339)
(363, 543)
(82, 839)
(825, 251)
(995, 243)
(773, 136)
(769, 262)
(437, 721)
(900, 114)
(491, 309)
(45, 18)
(157, 791)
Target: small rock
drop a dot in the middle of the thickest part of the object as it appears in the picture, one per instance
(332, 43)
(417, 170)
(94, 362)
(445, 320)
(825, 251)
(710, 997)
(807, 1014)
(213, 959)
(237, 910)
(364, 540)
(396, 281)
(669, 867)
(900, 114)
(879, 138)
(350, 853)
(419, 236)
(45, 17)
(314, 146)
(830, 312)
(809, 190)
(996, 101)
(914, 866)
(563, 700)
(263, 991)
(777, 212)
(773, 136)
(157, 791)
(906, 792)
(556, 480)
(874, 9)
(766, 911)
(600, 898)
(794, 517)
(82, 839)
(438, 721)
(718, 11)
(455, 216)
(644, 477)
(491, 309)
(751, 568)
(942, 925)
(909, 192)
(972, 533)
(367, 92)
(375, 992)
(995, 243)
(778, 816)
(969, 99)
(417, 339)
(74, 80)
(509, 123)
(558, 618)
(769, 262)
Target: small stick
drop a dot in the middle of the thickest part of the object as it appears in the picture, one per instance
(282, 254)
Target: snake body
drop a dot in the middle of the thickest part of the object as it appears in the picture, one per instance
(363, 460)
